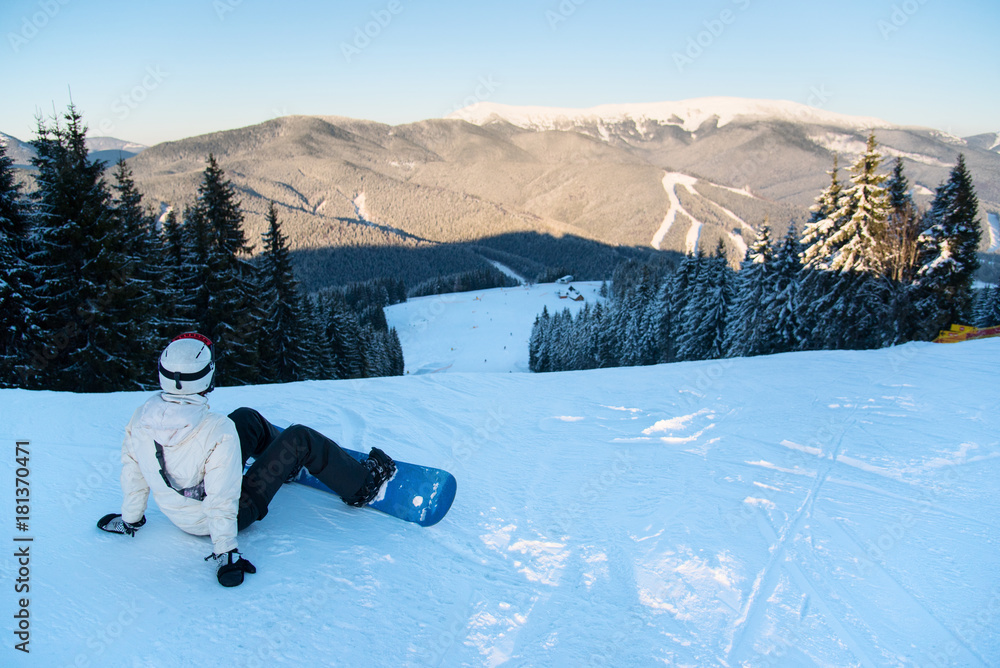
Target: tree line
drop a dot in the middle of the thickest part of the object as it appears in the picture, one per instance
(869, 270)
(93, 284)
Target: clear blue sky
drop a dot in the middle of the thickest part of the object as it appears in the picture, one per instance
(155, 71)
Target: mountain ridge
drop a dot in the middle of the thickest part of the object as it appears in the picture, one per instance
(667, 176)
(689, 114)
(108, 149)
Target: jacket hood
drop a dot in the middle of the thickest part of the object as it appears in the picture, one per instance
(172, 417)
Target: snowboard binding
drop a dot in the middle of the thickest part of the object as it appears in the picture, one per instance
(381, 468)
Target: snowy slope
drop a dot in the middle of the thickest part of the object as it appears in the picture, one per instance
(485, 330)
(832, 509)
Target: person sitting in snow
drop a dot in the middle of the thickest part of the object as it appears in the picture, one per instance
(192, 460)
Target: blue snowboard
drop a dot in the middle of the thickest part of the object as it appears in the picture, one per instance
(416, 493)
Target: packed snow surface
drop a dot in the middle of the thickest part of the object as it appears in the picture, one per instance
(829, 508)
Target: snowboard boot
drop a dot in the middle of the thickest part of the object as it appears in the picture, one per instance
(381, 468)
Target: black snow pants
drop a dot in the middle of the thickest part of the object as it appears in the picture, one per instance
(278, 453)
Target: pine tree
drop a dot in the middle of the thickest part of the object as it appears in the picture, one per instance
(194, 274)
(661, 321)
(316, 361)
(709, 310)
(682, 284)
(225, 306)
(343, 337)
(864, 211)
(15, 273)
(818, 316)
(173, 245)
(871, 313)
(823, 224)
(898, 187)
(151, 318)
(948, 251)
(175, 300)
(987, 313)
(397, 364)
(897, 248)
(630, 310)
(281, 348)
(538, 352)
(750, 331)
(784, 309)
(86, 278)
(606, 338)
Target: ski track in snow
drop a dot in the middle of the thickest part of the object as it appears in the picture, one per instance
(673, 180)
(807, 509)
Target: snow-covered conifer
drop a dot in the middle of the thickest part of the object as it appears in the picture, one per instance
(15, 274)
(280, 343)
(864, 211)
(818, 251)
(948, 251)
(749, 331)
(85, 277)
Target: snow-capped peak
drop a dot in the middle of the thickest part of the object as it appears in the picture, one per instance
(688, 114)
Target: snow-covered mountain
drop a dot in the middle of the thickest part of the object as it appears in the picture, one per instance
(806, 509)
(18, 151)
(989, 141)
(673, 176)
(687, 114)
(108, 149)
(114, 144)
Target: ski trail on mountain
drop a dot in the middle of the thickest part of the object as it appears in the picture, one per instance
(737, 239)
(670, 182)
(994, 232)
(673, 180)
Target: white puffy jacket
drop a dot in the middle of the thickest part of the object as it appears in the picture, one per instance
(198, 445)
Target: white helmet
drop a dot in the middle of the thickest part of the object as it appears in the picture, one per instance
(187, 365)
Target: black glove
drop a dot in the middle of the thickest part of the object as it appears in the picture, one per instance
(232, 566)
(113, 523)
